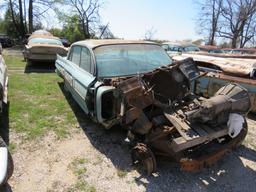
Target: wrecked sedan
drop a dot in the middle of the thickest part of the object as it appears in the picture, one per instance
(136, 85)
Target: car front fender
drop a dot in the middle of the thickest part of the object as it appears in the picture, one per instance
(3, 164)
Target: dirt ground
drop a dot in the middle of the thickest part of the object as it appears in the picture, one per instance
(94, 159)
(44, 165)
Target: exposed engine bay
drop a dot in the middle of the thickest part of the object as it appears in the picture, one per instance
(165, 119)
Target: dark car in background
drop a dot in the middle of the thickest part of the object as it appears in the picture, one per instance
(65, 41)
(6, 41)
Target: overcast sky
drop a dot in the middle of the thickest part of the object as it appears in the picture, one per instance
(172, 20)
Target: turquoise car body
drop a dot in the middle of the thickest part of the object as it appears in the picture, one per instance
(86, 87)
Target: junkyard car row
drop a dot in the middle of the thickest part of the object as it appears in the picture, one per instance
(160, 101)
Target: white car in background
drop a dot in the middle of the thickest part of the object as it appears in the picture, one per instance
(174, 49)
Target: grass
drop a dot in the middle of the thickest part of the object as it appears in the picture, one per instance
(78, 168)
(14, 61)
(81, 186)
(37, 104)
(12, 147)
(121, 173)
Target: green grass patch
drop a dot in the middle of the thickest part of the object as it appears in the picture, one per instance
(12, 147)
(37, 103)
(81, 186)
(77, 166)
(13, 61)
(121, 173)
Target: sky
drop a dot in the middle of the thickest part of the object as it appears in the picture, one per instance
(171, 19)
(130, 19)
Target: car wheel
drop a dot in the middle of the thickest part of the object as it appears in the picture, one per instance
(143, 155)
(10, 164)
(66, 86)
(242, 134)
(29, 63)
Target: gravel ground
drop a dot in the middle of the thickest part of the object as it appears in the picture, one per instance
(45, 165)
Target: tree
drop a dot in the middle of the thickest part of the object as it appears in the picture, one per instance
(30, 16)
(8, 25)
(37, 9)
(21, 20)
(105, 33)
(18, 10)
(249, 31)
(149, 34)
(88, 13)
(208, 18)
(229, 19)
(236, 24)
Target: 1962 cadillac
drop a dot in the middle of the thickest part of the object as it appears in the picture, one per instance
(135, 84)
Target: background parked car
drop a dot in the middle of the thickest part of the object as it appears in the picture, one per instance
(65, 42)
(178, 48)
(42, 46)
(6, 41)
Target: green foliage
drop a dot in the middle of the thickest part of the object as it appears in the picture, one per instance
(8, 26)
(121, 173)
(2, 26)
(72, 29)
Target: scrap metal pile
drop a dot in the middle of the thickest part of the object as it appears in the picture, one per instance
(241, 67)
(164, 119)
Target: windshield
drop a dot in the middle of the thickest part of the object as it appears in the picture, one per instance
(129, 59)
(45, 41)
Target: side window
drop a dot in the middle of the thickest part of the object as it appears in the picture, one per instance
(165, 47)
(175, 48)
(76, 52)
(85, 60)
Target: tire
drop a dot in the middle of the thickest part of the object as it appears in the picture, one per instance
(29, 63)
(242, 134)
(10, 165)
(10, 168)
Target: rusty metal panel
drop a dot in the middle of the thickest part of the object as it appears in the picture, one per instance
(142, 125)
(132, 114)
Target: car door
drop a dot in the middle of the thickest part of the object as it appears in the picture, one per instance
(83, 77)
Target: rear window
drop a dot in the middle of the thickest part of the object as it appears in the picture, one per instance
(45, 41)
